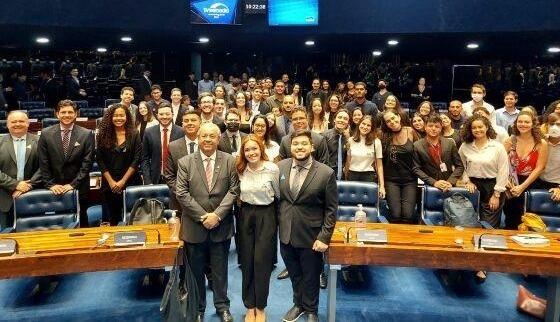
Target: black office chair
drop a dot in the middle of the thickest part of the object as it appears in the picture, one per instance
(41, 114)
(353, 193)
(133, 193)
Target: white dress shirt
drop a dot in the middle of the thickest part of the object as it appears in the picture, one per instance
(490, 161)
(261, 186)
(363, 156)
(188, 141)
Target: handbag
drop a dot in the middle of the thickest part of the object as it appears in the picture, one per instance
(180, 298)
(530, 303)
(532, 222)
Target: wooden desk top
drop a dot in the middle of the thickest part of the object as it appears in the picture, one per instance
(407, 246)
(75, 250)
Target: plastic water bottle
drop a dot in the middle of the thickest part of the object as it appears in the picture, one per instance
(360, 218)
(174, 226)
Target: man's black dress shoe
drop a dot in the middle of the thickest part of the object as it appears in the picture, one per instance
(225, 316)
(312, 317)
(283, 274)
(293, 314)
(323, 280)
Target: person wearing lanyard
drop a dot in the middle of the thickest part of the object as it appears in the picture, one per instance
(256, 228)
(436, 159)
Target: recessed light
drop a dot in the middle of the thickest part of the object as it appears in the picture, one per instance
(203, 40)
(42, 40)
(101, 50)
(472, 45)
(310, 43)
(554, 50)
(392, 42)
(126, 39)
(376, 53)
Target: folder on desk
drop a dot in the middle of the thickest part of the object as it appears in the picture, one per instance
(372, 236)
(490, 241)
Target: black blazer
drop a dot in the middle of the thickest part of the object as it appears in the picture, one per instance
(263, 108)
(73, 89)
(177, 150)
(311, 215)
(49, 92)
(151, 152)
(331, 137)
(429, 172)
(180, 113)
(117, 160)
(144, 88)
(224, 144)
(73, 169)
(320, 154)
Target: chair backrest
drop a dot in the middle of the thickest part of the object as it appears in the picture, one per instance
(352, 193)
(111, 101)
(432, 203)
(538, 201)
(34, 105)
(41, 113)
(43, 210)
(46, 122)
(440, 107)
(91, 113)
(82, 104)
(133, 193)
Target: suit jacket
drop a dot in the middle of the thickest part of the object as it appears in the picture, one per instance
(197, 199)
(331, 137)
(151, 152)
(73, 169)
(180, 113)
(219, 122)
(430, 172)
(144, 88)
(73, 89)
(263, 108)
(49, 92)
(311, 214)
(281, 129)
(225, 143)
(177, 150)
(8, 168)
(320, 153)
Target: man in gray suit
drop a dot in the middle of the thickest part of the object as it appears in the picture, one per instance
(436, 159)
(19, 164)
(284, 122)
(207, 187)
(307, 214)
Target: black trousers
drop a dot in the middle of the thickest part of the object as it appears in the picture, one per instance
(486, 188)
(112, 207)
(304, 266)
(366, 176)
(84, 204)
(257, 232)
(7, 218)
(513, 208)
(198, 255)
(401, 200)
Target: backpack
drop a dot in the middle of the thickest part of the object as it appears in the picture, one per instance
(458, 210)
(146, 211)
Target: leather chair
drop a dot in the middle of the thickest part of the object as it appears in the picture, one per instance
(352, 193)
(133, 193)
(538, 201)
(43, 210)
(91, 113)
(35, 105)
(432, 204)
(81, 104)
(40, 114)
(111, 101)
(49, 122)
(95, 215)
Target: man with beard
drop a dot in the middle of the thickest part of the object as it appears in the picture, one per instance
(380, 97)
(455, 110)
(230, 140)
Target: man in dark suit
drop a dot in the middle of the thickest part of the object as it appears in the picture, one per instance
(49, 89)
(191, 87)
(145, 86)
(74, 89)
(436, 159)
(19, 164)
(176, 107)
(257, 105)
(66, 156)
(284, 121)
(336, 138)
(307, 215)
(155, 146)
(230, 140)
(300, 123)
(206, 104)
(207, 187)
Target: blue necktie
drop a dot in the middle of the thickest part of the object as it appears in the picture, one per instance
(339, 159)
(20, 157)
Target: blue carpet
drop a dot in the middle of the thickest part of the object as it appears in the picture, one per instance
(389, 294)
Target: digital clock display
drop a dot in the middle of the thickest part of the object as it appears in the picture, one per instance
(255, 7)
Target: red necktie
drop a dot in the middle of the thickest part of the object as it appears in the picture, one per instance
(164, 150)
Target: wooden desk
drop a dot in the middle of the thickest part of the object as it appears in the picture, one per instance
(74, 250)
(407, 246)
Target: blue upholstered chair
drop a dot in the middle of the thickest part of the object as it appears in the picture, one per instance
(352, 193)
(432, 204)
(133, 193)
(36, 105)
(49, 122)
(440, 106)
(40, 114)
(43, 210)
(91, 113)
(111, 101)
(538, 201)
(82, 104)
(95, 215)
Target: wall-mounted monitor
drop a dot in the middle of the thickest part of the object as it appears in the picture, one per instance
(293, 12)
(215, 12)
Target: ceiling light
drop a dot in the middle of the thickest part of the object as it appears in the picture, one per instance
(126, 39)
(554, 50)
(310, 43)
(472, 45)
(392, 42)
(42, 40)
(101, 50)
(376, 53)
(203, 40)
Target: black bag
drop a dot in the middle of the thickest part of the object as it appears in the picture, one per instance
(458, 210)
(146, 211)
(180, 299)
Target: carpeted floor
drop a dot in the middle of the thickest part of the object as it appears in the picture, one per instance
(389, 294)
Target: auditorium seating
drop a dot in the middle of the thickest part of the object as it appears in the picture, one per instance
(432, 204)
(440, 107)
(43, 210)
(3, 115)
(33, 105)
(40, 114)
(111, 101)
(49, 122)
(3, 126)
(352, 193)
(91, 113)
(133, 193)
(538, 201)
(82, 104)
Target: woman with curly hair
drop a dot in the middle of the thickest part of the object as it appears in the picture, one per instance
(119, 151)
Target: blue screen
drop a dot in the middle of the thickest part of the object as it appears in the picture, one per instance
(221, 12)
(293, 12)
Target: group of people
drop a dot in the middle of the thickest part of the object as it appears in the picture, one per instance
(271, 166)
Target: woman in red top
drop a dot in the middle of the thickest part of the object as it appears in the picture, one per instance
(528, 152)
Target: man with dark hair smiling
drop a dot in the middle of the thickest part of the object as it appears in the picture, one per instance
(455, 110)
(368, 107)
